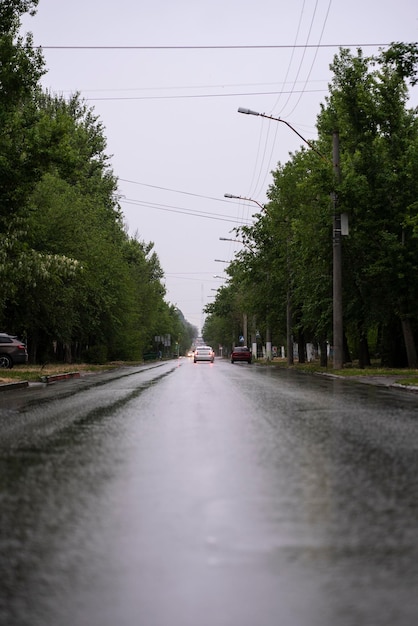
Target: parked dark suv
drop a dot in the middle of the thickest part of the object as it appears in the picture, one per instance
(12, 351)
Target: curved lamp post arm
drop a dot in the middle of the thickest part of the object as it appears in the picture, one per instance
(230, 195)
(236, 241)
(337, 277)
(279, 119)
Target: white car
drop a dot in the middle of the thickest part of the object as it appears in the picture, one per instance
(204, 353)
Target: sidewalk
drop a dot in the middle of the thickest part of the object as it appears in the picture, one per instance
(379, 381)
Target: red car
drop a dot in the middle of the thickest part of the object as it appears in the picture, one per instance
(241, 353)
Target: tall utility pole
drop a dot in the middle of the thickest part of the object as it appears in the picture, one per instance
(244, 315)
(336, 257)
(336, 240)
(289, 338)
(201, 313)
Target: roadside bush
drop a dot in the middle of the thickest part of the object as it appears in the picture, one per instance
(96, 354)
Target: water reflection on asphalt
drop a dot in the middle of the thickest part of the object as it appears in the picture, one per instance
(212, 496)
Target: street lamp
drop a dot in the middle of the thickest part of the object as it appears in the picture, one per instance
(337, 307)
(245, 329)
(279, 119)
(234, 241)
(230, 195)
(245, 320)
(268, 334)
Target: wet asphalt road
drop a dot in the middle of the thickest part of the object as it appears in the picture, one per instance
(208, 495)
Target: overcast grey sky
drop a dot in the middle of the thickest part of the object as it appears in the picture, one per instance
(169, 107)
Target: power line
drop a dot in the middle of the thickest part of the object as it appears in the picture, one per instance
(215, 216)
(171, 209)
(218, 47)
(311, 68)
(186, 193)
(222, 85)
(293, 91)
(293, 53)
(205, 95)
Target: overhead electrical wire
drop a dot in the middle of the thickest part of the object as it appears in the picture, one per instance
(303, 55)
(292, 55)
(302, 91)
(293, 91)
(294, 46)
(255, 186)
(217, 47)
(181, 210)
(186, 193)
(206, 95)
(179, 87)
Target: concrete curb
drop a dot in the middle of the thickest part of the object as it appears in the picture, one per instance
(18, 385)
(411, 388)
(45, 379)
(55, 377)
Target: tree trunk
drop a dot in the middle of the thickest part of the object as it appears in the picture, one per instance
(324, 357)
(364, 355)
(254, 338)
(268, 342)
(408, 337)
(289, 330)
(346, 350)
(301, 347)
(392, 344)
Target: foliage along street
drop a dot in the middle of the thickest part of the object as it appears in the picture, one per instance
(76, 286)
(285, 265)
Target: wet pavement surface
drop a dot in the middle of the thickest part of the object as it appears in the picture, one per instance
(208, 495)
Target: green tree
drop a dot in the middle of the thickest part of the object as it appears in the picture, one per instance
(378, 134)
(292, 244)
(224, 317)
(302, 252)
(110, 300)
(20, 70)
(73, 281)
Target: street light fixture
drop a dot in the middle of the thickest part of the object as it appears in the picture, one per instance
(230, 195)
(337, 307)
(279, 119)
(233, 240)
(245, 321)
